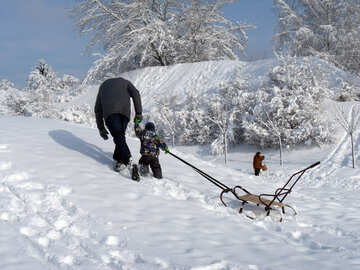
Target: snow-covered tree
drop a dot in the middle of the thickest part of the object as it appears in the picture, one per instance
(39, 81)
(328, 29)
(194, 127)
(203, 33)
(349, 122)
(6, 84)
(292, 101)
(46, 88)
(11, 102)
(68, 81)
(142, 33)
(274, 128)
(82, 114)
(221, 112)
(16, 102)
(347, 91)
(166, 115)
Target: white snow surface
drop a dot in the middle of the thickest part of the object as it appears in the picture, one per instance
(63, 207)
(204, 78)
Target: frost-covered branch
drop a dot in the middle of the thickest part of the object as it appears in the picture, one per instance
(328, 29)
(136, 34)
(275, 129)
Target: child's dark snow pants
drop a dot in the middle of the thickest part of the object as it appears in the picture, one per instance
(147, 160)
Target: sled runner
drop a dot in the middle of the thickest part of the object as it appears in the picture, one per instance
(269, 201)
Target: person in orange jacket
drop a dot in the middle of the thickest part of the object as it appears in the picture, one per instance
(257, 163)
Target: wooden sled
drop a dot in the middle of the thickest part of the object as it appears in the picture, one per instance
(269, 201)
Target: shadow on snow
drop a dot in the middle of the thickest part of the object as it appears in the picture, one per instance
(70, 141)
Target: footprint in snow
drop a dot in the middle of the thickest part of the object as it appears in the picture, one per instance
(16, 177)
(50, 223)
(5, 166)
(4, 148)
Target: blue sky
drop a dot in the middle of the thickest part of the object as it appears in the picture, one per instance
(41, 29)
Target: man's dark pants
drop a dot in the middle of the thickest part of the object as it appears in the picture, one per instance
(154, 163)
(117, 124)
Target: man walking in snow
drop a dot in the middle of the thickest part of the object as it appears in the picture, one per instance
(113, 106)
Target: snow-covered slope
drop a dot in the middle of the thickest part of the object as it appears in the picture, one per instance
(62, 207)
(205, 77)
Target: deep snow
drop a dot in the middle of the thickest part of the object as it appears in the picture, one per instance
(62, 207)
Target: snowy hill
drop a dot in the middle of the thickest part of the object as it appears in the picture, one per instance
(205, 77)
(62, 207)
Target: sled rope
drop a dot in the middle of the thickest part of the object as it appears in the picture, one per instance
(205, 175)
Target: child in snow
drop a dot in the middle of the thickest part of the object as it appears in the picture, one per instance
(257, 163)
(149, 149)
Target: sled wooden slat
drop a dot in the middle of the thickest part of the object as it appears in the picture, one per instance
(256, 199)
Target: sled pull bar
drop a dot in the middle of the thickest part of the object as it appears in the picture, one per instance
(287, 190)
(208, 177)
(312, 166)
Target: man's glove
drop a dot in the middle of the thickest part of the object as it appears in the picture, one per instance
(138, 118)
(166, 149)
(104, 134)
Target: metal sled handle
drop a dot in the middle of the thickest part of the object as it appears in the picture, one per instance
(312, 166)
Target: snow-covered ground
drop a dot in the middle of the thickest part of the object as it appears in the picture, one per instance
(62, 206)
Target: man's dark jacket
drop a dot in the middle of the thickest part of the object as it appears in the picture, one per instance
(114, 97)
